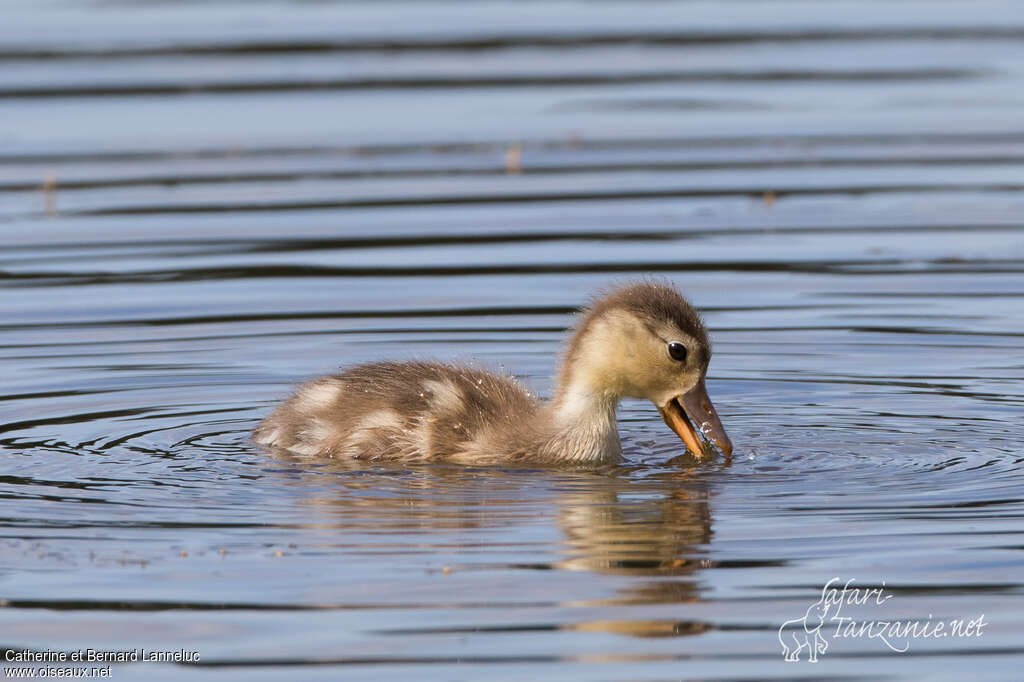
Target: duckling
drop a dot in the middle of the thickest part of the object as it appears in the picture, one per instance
(642, 340)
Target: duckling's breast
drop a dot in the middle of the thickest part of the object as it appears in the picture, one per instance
(413, 410)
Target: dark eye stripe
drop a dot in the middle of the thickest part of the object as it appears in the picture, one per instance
(677, 351)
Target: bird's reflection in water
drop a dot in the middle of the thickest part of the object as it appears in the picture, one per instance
(656, 529)
(617, 522)
(616, 529)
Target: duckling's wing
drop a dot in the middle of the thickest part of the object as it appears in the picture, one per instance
(393, 410)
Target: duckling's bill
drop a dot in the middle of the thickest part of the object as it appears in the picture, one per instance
(695, 407)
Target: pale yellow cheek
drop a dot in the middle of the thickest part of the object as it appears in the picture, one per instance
(650, 376)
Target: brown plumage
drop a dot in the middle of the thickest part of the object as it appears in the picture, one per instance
(627, 344)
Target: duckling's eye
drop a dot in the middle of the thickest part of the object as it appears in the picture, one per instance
(677, 351)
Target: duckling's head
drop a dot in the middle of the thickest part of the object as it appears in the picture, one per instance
(644, 340)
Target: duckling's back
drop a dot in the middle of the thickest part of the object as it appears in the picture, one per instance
(400, 410)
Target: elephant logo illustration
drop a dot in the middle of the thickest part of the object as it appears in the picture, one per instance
(805, 633)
